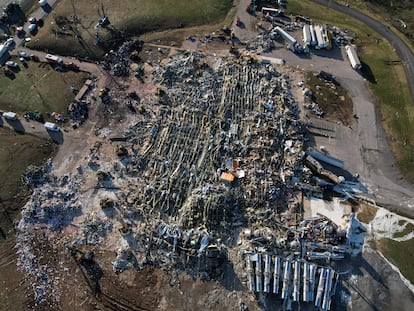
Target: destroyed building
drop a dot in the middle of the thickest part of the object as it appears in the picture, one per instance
(212, 171)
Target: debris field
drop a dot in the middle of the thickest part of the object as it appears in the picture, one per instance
(212, 171)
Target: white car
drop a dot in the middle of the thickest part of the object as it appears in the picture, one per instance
(24, 55)
(32, 28)
(42, 2)
(12, 64)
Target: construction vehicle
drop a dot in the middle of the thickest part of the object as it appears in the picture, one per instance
(251, 59)
(141, 109)
(124, 228)
(103, 175)
(79, 255)
(106, 203)
(121, 151)
(103, 92)
(234, 51)
(160, 91)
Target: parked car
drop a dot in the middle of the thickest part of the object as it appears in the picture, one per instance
(32, 28)
(24, 55)
(10, 115)
(36, 21)
(49, 126)
(72, 66)
(12, 64)
(8, 72)
(20, 32)
(34, 58)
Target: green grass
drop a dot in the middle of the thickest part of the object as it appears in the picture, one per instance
(390, 12)
(17, 151)
(400, 254)
(127, 17)
(387, 81)
(40, 88)
(409, 227)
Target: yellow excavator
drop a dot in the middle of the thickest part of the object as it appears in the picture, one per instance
(124, 228)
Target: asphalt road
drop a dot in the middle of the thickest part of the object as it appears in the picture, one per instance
(402, 49)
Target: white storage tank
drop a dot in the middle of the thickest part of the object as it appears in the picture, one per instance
(51, 127)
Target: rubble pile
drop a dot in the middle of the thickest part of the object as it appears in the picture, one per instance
(53, 203)
(117, 63)
(213, 172)
(43, 284)
(78, 111)
(37, 175)
(93, 230)
(225, 152)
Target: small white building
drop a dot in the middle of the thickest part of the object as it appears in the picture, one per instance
(49, 126)
(353, 56)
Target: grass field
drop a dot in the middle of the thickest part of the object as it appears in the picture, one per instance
(128, 17)
(398, 14)
(39, 87)
(387, 81)
(16, 153)
(402, 259)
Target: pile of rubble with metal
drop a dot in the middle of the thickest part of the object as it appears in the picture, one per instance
(117, 62)
(275, 26)
(42, 279)
(220, 153)
(53, 203)
(225, 152)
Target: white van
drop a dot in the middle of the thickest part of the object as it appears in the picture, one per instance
(49, 126)
(10, 115)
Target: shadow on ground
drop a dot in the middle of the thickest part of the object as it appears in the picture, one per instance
(56, 136)
(16, 125)
(367, 73)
